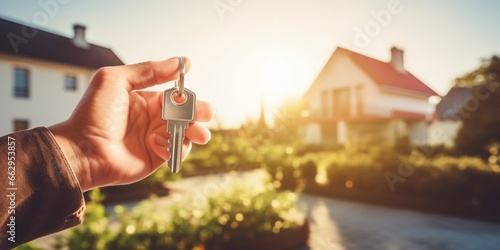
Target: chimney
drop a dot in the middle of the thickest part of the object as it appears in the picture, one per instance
(397, 59)
(79, 37)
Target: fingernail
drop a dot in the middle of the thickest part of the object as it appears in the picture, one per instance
(160, 141)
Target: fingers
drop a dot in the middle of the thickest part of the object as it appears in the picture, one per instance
(158, 141)
(204, 111)
(151, 73)
(159, 145)
(186, 148)
(198, 134)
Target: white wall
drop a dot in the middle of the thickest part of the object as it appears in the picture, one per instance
(311, 133)
(49, 102)
(443, 132)
(419, 133)
(390, 101)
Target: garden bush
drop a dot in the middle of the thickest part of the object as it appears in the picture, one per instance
(360, 171)
(223, 219)
(442, 177)
(309, 170)
(95, 233)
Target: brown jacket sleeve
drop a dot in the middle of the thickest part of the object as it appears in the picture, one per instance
(39, 193)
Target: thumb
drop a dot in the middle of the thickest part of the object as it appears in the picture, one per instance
(147, 74)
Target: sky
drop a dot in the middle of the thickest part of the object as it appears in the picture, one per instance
(248, 52)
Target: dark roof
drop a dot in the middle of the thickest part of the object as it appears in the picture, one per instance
(385, 74)
(51, 47)
(452, 102)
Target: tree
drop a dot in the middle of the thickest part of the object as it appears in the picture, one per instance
(287, 120)
(488, 71)
(480, 112)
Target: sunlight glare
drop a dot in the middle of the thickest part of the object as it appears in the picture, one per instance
(276, 75)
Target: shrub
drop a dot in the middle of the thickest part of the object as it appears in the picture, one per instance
(95, 233)
(309, 170)
(357, 170)
(443, 177)
(223, 219)
(402, 144)
(28, 246)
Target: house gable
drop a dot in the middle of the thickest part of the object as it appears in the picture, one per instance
(340, 72)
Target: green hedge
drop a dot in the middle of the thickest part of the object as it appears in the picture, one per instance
(440, 177)
(222, 219)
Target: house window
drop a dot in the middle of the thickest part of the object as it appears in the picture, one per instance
(21, 83)
(359, 100)
(341, 102)
(20, 125)
(70, 83)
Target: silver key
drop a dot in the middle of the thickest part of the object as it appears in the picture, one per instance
(178, 117)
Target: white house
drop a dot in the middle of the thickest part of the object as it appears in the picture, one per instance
(355, 96)
(43, 75)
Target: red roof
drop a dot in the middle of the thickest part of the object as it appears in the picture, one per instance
(385, 74)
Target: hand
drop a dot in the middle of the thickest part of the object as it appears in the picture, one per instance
(116, 134)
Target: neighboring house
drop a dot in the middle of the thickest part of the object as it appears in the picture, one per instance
(355, 96)
(44, 75)
(450, 106)
(450, 111)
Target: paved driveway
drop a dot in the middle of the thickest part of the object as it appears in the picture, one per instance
(338, 224)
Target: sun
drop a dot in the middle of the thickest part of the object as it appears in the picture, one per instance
(276, 85)
(275, 75)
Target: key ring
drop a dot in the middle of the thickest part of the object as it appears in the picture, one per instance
(180, 83)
